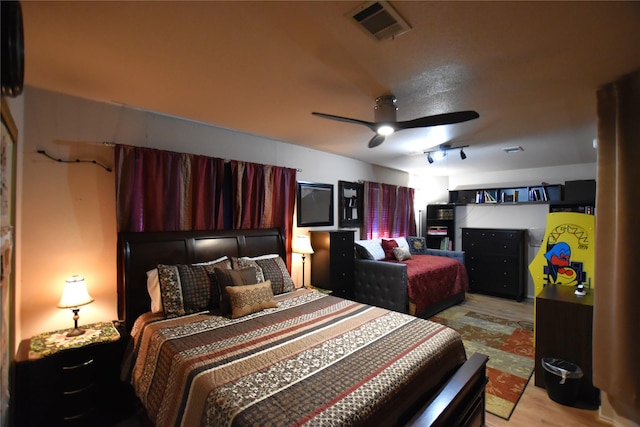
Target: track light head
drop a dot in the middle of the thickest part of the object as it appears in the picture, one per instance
(462, 155)
(429, 158)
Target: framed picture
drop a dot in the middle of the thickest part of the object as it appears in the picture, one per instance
(350, 203)
(315, 204)
(9, 136)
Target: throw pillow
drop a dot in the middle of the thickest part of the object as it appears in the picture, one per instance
(244, 262)
(249, 299)
(369, 249)
(401, 254)
(387, 247)
(184, 289)
(417, 245)
(230, 278)
(275, 270)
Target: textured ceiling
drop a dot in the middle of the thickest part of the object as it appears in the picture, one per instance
(531, 69)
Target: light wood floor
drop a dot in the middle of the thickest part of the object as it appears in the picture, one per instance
(535, 408)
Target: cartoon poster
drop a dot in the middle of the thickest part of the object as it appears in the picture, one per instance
(566, 256)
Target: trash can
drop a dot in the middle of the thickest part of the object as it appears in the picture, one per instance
(562, 380)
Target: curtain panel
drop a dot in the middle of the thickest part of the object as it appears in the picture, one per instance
(616, 308)
(158, 190)
(388, 211)
(264, 196)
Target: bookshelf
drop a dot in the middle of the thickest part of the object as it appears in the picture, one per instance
(441, 221)
(508, 195)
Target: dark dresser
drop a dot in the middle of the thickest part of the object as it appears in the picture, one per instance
(72, 387)
(496, 261)
(564, 330)
(332, 262)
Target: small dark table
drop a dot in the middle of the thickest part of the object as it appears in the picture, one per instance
(71, 382)
(564, 330)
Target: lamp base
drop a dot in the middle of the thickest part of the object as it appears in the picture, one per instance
(75, 332)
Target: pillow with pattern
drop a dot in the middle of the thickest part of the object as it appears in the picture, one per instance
(247, 299)
(417, 245)
(153, 284)
(244, 262)
(275, 270)
(401, 253)
(184, 289)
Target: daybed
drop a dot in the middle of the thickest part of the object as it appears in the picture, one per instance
(314, 359)
(427, 283)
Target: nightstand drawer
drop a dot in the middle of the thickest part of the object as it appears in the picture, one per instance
(78, 376)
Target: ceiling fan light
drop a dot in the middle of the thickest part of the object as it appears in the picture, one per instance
(385, 130)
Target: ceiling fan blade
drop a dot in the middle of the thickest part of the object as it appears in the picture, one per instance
(438, 119)
(376, 140)
(370, 125)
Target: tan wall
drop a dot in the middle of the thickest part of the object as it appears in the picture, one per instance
(67, 219)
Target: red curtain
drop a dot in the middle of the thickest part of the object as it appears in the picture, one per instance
(264, 197)
(389, 211)
(160, 190)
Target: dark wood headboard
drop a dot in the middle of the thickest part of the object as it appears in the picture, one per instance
(141, 252)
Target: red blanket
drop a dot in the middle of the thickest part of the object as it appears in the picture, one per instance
(433, 279)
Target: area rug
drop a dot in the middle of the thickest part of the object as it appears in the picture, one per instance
(509, 346)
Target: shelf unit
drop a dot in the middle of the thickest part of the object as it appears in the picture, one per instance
(441, 224)
(508, 195)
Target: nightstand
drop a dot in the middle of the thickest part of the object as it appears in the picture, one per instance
(63, 381)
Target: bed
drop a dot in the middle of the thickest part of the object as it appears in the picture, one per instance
(422, 285)
(314, 359)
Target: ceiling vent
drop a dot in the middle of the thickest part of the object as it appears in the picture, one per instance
(380, 20)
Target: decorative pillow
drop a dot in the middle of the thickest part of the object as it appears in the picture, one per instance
(153, 283)
(401, 253)
(387, 247)
(417, 245)
(369, 249)
(184, 289)
(244, 262)
(402, 242)
(275, 270)
(249, 299)
(230, 278)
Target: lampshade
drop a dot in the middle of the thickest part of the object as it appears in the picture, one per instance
(75, 293)
(302, 245)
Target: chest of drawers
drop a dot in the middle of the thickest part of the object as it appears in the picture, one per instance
(332, 265)
(495, 261)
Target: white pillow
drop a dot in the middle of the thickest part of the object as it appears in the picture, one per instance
(153, 285)
(153, 288)
(262, 256)
(373, 247)
(402, 242)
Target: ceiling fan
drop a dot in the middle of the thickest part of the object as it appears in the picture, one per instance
(386, 123)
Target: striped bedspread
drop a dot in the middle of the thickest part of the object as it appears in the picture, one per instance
(314, 360)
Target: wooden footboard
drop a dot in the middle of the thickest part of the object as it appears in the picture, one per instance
(461, 402)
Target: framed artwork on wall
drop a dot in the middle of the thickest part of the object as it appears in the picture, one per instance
(315, 204)
(350, 204)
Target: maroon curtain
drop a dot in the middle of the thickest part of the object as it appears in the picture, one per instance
(264, 197)
(159, 190)
(389, 211)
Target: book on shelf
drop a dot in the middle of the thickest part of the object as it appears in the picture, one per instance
(438, 230)
(489, 197)
(445, 244)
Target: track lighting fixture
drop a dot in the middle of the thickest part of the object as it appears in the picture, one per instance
(441, 152)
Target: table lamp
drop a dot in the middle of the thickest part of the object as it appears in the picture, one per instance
(302, 245)
(75, 295)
